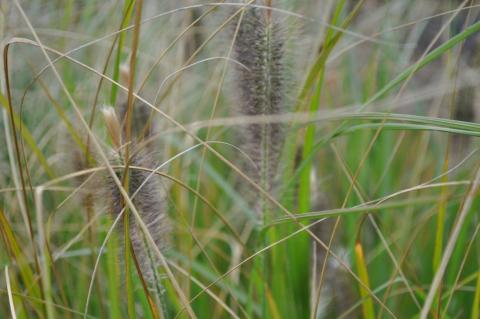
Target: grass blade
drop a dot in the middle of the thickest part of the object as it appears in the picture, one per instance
(367, 305)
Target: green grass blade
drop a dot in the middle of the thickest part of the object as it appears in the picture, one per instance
(128, 10)
(476, 299)
(367, 305)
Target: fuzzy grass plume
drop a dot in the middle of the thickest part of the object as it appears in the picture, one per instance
(146, 193)
(259, 47)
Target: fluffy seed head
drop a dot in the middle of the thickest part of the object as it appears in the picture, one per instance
(144, 190)
(148, 198)
(259, 46)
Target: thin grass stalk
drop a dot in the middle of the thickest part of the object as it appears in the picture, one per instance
(125, 181)
(42, 242)
(9, 293)
(23, 210)
(128, 10)
(442, 207)
(113, 275)
(19, 165)
(476, 299)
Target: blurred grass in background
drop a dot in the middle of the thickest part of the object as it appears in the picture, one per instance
(379, 164)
